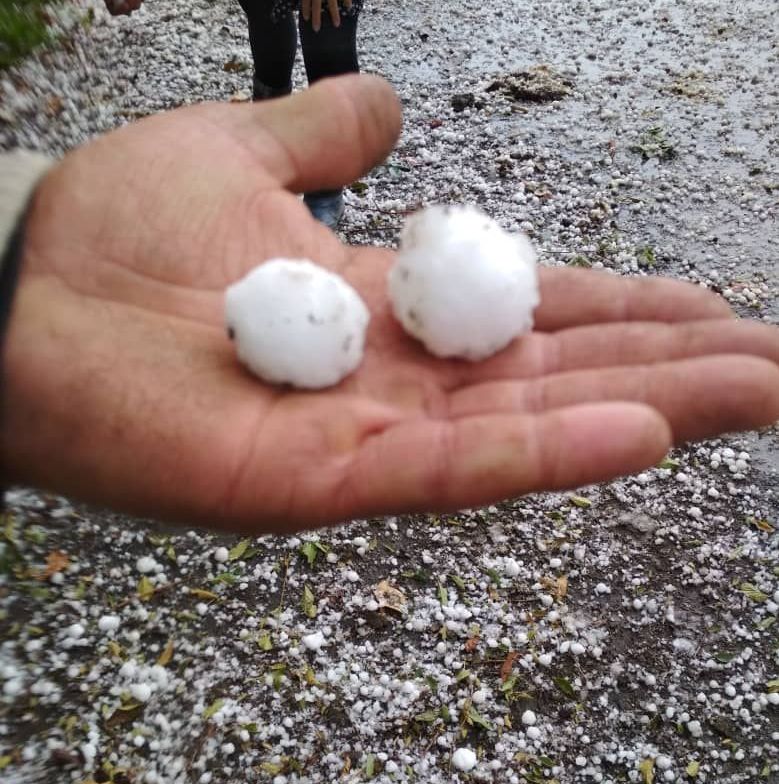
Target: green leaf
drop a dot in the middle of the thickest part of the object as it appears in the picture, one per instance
(564, 685)
(458, 581)
(766, 623)
(508, 685)
(370, 766)
(443, 596)
(752, 592)
(5, 761)
(723, 657)
(251, 727)
(580, 501)
(265, 643)
(473, 717)
(668, 463)
(428, 717)
(309, 551)
(308, 603)
(239, 550)
(692, 769)
(445, 714)
(213, 708)
(228, 578)
(494, 575)
(171, 553)
(145, 589)
(462, 675)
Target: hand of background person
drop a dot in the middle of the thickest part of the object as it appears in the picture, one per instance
(312, 11)
(121, 386)
(122, 7)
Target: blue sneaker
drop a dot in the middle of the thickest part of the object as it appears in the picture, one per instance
(326, 206)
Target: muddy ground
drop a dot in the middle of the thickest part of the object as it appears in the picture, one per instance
(624, 632)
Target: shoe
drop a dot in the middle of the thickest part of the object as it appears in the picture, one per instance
(326, 206)
(264, 92)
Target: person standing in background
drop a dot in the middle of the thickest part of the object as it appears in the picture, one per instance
(328, 39)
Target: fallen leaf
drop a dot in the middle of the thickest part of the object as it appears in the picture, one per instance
(123, 715)
(145, 589)
(56, 562)
(564, 685)
(692, 769)
(239, 549)
(213, 708)
(508, 663)
(647, 771)
(308, 602)
(201, 594)
(752, 592)
(167, 654)
(389, 597)
(561, 587)
(472, 643)
(580, 501)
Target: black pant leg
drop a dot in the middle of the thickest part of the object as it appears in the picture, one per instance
(333, 50)
(273, 44)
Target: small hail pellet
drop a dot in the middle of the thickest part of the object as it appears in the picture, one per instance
(461, 284)
(296, 323)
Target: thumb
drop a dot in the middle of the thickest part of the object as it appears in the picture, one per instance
(323, 137)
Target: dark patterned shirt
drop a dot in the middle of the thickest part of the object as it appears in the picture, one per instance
(282, 8)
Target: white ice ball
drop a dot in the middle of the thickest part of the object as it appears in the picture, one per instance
(461, 284)
(294, 322)
(464, 759)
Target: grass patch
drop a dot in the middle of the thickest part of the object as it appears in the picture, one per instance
(24, 26)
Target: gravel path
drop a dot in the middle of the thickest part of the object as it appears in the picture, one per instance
(625, 633)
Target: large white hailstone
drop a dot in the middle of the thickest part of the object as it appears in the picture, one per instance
(461, 284)
(294, 322)
(464, 759)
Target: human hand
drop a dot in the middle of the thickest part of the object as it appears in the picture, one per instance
(122, 7)
(122, 388)
(312, 10)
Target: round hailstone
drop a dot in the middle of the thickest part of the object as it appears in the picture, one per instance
(294, 322)
(464, 760)
(461, 284)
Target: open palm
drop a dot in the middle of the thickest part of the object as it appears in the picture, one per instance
(122, 387)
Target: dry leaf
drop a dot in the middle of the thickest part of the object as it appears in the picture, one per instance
(472, 644)
(123, 715)
(508, 663)
(167, 654)
(561, 587)
(390, 598)
(201, 594)
(56, 562)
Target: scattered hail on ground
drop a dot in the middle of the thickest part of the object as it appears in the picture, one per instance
(625, 633)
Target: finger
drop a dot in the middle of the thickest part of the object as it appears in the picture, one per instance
(624, 344)
(334, 14)
(305, 9)
(347, 4)
(316, 15)
(451, 464)
(324, 137)
(571, 297)
(699, 398)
